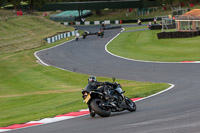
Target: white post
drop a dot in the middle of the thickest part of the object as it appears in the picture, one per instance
(56, 38)
(116, 21)
(73, 33)
(49, 40)
(68, 34)
(96, 22)
(78, 23)
(59, 37)
(87, 22)
(53, 39)
(66, 23)
(65, 35)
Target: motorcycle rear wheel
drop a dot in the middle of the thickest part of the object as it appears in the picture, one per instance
(98, 109)
(131, 106)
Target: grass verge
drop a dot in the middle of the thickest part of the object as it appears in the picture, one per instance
(144, 45)
(135, 28)
(30, 91)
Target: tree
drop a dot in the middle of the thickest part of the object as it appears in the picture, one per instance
(15, 3)
(34, 4)
(169, 2)
(186, 2)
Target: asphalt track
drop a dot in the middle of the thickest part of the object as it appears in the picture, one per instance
(175, 111)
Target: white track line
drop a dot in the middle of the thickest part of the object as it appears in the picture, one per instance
(171, 86)
(51, 120)
(5, 130)
(49, 48)
(106, 49)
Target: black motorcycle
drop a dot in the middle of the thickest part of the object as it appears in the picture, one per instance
(99, 103)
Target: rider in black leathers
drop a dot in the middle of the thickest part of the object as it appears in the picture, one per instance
(93, 84)
(103, 87)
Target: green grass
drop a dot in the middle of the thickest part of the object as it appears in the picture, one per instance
(144, 45)
(30, 91)
(135, 28)
(26, 32)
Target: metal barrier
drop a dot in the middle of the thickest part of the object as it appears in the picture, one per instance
(60, 35)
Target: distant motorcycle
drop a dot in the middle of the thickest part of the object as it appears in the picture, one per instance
(100, 33)
(103, 24)
(85, 34)
(99, 104)
(77, 36)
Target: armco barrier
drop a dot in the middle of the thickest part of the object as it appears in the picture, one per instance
(111, 21)
(178, 34)
(96, 22)
(87, 22)
(114, 27)
(60, 35)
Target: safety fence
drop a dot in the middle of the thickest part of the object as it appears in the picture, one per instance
(60, 35)
(159, 27)
(178, 34)
(109, 21)
(93, 22)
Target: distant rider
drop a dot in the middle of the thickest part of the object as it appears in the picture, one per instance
(77, 36)
(103, 24)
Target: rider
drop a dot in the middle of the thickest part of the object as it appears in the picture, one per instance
(77, 36)
(93, 84)
(103, 24)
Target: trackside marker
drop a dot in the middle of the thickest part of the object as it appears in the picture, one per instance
(4, 130)
(74, 113)
(190, 61)
(51, 120)
(136, 99)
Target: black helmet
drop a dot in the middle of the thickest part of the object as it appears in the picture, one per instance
(92, 79)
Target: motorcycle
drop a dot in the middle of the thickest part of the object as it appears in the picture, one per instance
(100, 33)
(99, 103)
(85, 34)
(77, 36)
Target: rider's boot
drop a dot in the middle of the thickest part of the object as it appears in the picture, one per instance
(92, 113)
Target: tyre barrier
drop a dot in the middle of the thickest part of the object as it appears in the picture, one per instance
(60, 35)
(89, 34)
(115, 27)
(110, 21)
(178, 34)
(159, 27)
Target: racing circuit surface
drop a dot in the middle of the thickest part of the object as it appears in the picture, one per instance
(175, 111)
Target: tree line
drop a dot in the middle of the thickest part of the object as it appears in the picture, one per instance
(172, 2)
(34, 4)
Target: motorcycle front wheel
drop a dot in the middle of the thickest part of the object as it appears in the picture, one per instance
(96, 105)
(131, 106)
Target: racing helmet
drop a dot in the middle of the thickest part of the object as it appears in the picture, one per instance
(92, 79)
